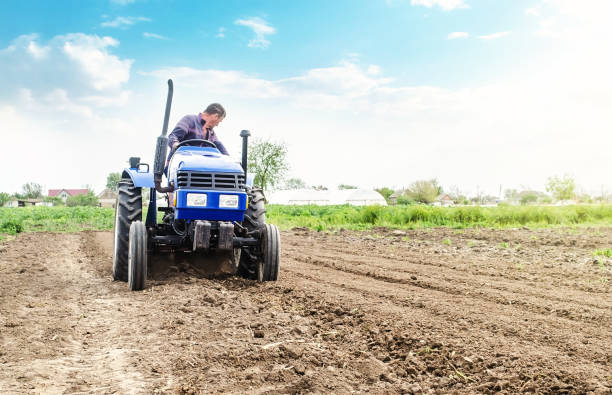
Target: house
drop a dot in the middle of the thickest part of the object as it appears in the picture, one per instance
(107, 198)
(393, 197)
(66, 193)
(13, 202)
(445, 200)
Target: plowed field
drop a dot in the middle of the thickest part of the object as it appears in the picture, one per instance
(426, 311)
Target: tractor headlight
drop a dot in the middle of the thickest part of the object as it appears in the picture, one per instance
(228, 201)
(196, 199)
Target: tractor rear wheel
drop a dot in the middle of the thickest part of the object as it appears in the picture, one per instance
(137, 257)
(254, 218)
(128, 208)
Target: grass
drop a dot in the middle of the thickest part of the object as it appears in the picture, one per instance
(55, 219)
(605, 252)
(417, 216)
(324, 218)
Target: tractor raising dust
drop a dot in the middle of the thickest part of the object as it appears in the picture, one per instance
(215, 212)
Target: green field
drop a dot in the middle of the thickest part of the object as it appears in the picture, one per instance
(419, 216)
(71, 219)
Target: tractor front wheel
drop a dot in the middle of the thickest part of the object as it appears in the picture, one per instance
(137, 258)
(268, 266)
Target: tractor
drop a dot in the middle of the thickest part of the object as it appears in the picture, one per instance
(214, 211)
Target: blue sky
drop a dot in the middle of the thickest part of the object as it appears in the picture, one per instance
(410, 41)
(476, 93)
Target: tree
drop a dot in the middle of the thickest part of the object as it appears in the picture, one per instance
(4, 198)
(424, 191)
(528, 198)
(112, 180)
(30, 190)
(457, 196)
(385, 192)
(405, 200)
(511, 195)
(295, 183)
(55, 200)
(561, 188)
(268, 161)
(83, 200)
(345, 186)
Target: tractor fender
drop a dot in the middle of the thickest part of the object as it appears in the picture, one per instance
(142, 179)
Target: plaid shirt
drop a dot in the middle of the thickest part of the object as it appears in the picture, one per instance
(192, 127)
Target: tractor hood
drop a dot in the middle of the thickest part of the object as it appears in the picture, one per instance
(206, 159)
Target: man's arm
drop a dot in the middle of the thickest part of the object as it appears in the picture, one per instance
(179, 132)
(221, 147)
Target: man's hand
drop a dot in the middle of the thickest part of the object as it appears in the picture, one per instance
(174, 146)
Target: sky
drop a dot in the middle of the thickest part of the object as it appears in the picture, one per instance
(482, 95)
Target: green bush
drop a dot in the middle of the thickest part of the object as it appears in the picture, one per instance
(11, 227)
(82, 200)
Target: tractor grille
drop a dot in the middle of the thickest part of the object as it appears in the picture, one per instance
(200, 180)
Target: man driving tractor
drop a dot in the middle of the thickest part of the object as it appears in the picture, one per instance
(199, 126)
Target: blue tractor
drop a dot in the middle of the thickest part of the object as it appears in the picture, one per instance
(215, 209)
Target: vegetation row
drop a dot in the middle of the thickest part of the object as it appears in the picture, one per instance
(69, 219)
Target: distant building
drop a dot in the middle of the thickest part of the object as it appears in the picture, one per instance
(444, 200)
(393, 197)
(13, 202)
(66, 193)
(107, 198)
(355, 197)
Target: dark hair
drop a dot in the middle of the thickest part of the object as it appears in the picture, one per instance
(215, 108)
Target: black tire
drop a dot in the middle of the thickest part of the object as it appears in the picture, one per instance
(254, 218)
(271, 253)
(128, 208)
(137, 257)
(255, 215)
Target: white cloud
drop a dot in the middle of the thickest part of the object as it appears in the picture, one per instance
(106, 71)
(66, 74)
(220, 32)
(456, 35)
(36, 51)
(374, 69)
(533, 11)
(446, 5)
(261, 28)
(153, 35)
(123, 21)
(517, 131)
(493, 36)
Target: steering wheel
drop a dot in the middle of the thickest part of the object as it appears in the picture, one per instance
(197, 143)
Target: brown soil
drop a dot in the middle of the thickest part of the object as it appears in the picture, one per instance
(429, 311)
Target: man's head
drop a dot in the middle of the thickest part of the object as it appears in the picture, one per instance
(213, 115)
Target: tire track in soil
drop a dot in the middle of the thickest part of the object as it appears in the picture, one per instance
(51, 313)
(502, 292)
(444, 258)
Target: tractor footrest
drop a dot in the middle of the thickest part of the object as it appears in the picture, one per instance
(226, 235)
(201, 235)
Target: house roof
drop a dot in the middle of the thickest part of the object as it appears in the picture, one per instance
(70, 192)
(107, 194)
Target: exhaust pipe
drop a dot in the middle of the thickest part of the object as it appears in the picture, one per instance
(245, 146)
(162, 146)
